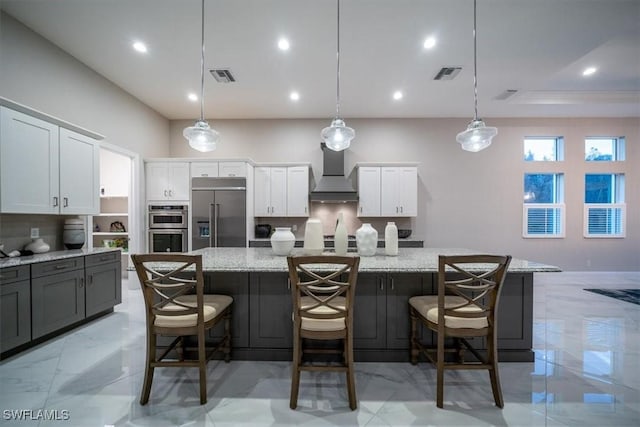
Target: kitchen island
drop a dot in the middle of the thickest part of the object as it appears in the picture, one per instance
(257, 279)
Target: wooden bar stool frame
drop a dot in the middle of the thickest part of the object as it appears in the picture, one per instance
(323, 310)
(469, 296)
(169, 295)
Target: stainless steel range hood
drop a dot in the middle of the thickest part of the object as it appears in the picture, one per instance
(333, 187)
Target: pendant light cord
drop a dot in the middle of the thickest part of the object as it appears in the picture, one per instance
(475, 64)
(202, 68)
(338, 66)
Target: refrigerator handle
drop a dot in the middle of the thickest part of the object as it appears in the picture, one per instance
(216, 208)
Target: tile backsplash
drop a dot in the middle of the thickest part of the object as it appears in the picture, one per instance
(327, 213)
(15, 230)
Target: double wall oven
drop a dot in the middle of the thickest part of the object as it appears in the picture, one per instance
(168, 228)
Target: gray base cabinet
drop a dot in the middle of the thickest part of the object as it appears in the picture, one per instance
(15, 307)
(235, 285)
(103, 287)
(57, 295)
(270, 321)
(44, 298)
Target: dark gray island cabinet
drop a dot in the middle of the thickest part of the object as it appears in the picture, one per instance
(54, 293)
(258, 281)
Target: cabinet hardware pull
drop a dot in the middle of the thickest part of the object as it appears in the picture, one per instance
(81, 283)
(391, 281)
(381, 285)
(289, 284)
(396, 209)
(60, 267)
(165, 193)
(55, 202)
(204, 174)
(401, 209)
(65, 202)
(90, 280)
(232, 174)
(170, 193)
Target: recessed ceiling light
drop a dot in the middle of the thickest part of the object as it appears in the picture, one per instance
(283, 44)
(140, 47)
(294, 96)
(397, 95)
(589, 71)
(192, 97)
(429, 42)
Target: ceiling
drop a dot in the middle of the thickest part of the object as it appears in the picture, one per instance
(536, 48)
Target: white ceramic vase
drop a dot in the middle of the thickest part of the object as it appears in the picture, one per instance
(340, 236)
(282, 241)
(37, 246)
(391, 239)
(313, 239)
(367, 240)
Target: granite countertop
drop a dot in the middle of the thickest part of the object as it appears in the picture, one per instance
(409, 260)
(52, 256)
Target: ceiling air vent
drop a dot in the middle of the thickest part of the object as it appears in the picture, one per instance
(447, 73)
(222, 75)
(506, 94)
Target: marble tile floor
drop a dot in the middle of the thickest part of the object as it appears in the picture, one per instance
(586, 373)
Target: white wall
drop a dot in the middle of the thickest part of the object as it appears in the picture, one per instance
(41, 76)
(467, 200)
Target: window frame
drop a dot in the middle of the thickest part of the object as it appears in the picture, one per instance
(556, 209)
(559, 147)
(618, 149)
(615, 215)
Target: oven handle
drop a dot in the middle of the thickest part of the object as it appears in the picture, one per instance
(216, 210)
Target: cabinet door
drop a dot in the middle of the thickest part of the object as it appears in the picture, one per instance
(15, 307)
(157, 181)
(104, 287)
(209, 169)
(399, 191)
(179, 181)
(408, 191)
(79, 174)
(369, 312)
(298, 191)
(57, 301)
(29, 164)
(278, 191)
(401, 287)
(369, 191)
(233, 169)
(262, 191)
(270, 306)
(236, 285)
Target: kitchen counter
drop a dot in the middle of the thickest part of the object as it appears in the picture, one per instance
(329, 243)
(409, 260)
(52, 256)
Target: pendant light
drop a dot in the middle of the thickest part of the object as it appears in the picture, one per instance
(477, 136)
(338, 136)
(200, 136)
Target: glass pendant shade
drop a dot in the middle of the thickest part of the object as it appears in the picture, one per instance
(338, 136)
(477, 137)
(201, 137)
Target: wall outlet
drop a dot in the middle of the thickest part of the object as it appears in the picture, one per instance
(294, 228)
(35, 233)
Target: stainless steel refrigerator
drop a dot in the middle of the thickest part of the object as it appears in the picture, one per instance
(218, 212)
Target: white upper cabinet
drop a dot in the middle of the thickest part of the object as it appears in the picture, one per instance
(233, 169)
(399, 191)
(368, 191)
(167, 181)
(270, 191)
(281, 191)
(79, 174)
(204, 169)
(298, 191)
(46, 169)
(388, 191)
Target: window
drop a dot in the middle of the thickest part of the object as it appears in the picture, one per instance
(604, 149)
(604, 207)
(543, 208)
(543, 149)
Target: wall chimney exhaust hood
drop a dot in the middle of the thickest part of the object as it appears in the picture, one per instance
(333, 187)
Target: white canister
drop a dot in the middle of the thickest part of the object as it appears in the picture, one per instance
(391, 239)
(313, 239)
(341, 237)
(367, 240)
(282, 241)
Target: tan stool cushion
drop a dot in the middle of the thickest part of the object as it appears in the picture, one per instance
(310, 324)
(427, 306)
(213, 306)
